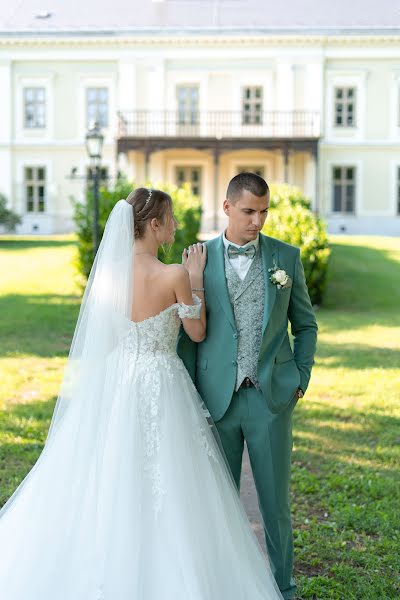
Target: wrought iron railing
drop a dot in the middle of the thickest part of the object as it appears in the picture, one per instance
(218, 124)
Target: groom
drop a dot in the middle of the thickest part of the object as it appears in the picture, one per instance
(245, 370)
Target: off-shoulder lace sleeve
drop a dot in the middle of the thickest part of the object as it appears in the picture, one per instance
(185, 311)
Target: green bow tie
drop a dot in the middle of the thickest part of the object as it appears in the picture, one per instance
(234, 252)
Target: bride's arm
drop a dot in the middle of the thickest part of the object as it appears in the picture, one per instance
(188, 281)
(194, 327)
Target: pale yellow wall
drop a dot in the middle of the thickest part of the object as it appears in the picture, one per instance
(375, 181)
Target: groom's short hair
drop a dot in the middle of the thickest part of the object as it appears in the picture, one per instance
(246, 181)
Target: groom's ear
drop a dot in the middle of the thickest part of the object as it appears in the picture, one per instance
(226, 206)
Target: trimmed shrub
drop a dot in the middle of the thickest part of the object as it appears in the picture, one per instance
(187, 210)
(291, 220)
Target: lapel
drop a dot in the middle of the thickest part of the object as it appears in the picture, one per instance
(216, 273)
(269, 255)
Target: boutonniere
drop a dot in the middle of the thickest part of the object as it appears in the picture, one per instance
(279, 277)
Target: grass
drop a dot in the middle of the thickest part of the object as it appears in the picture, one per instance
(345, 482)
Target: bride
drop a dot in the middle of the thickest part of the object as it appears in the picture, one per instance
(131, 498)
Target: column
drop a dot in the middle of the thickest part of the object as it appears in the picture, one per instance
(216, 185)
(6, 120)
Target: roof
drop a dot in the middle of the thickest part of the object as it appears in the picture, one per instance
(161, 17)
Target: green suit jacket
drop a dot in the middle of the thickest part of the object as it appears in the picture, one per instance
(281, 370)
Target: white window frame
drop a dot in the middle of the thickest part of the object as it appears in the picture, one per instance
(36, 162)
(35, 183)
(196, 87)
(345, 101)
(252, 101)
(27, 133)
(204, 164)
(357, 164)
(266, 163)
(35, 105)
(253, 78)
(108, 118)
(358, 81)
(192, 166)
(86, 81)
(85, 164)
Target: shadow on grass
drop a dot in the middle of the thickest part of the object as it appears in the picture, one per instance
(372, 437)
(362, 279)
(357, 356)
(39, 325)
(16, 244)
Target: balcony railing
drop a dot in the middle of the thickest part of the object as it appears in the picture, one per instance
(218, 124)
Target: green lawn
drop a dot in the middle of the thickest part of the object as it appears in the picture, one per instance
(345, 484)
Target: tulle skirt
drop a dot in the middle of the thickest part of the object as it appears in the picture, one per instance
(135, 504)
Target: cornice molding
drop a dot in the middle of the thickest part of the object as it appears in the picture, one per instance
(63, 40)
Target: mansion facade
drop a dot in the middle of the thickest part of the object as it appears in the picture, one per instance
(317, 110)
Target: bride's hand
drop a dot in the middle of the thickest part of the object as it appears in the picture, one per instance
(194, 258)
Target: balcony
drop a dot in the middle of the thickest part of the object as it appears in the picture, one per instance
(201, 129)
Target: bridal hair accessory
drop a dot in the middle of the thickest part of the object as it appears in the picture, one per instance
(148, 199)
(146, 203)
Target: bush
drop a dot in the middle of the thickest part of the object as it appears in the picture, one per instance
(8, 218)
(291, 220)
(187, 210)
(83, 218)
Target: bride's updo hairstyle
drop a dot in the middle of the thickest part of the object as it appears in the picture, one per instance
(148, 204)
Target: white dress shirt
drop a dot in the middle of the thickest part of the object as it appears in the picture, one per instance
(241, 263)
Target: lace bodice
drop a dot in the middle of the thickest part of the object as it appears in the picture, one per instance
(157, 336)
(153, 360)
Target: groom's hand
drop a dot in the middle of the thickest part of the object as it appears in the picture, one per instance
(299, 393)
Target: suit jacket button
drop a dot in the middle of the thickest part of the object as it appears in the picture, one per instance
(234, 362)
(235, 336)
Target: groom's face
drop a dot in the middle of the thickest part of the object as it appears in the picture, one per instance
(247, 216)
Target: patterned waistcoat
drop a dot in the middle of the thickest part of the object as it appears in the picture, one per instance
(247, 298)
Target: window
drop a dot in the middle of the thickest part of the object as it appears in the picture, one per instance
(190, 175)
(344, 188)
(252, 106)
(188, 104)
(345, 107)
(34, 107)
(103, 180)
(252, 169)
(97, 106)
(35, 188)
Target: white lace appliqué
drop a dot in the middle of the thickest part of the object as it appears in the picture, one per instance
(152, 346)
(185, 311)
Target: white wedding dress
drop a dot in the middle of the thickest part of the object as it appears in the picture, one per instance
(137, 503)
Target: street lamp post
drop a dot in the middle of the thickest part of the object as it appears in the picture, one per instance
(94, 146)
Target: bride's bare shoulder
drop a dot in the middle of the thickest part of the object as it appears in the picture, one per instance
(176, 272)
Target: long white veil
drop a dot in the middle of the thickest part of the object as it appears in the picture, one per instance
(106, 305)
(76, 453)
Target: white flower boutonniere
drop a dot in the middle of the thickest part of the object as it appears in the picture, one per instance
(279, 277)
